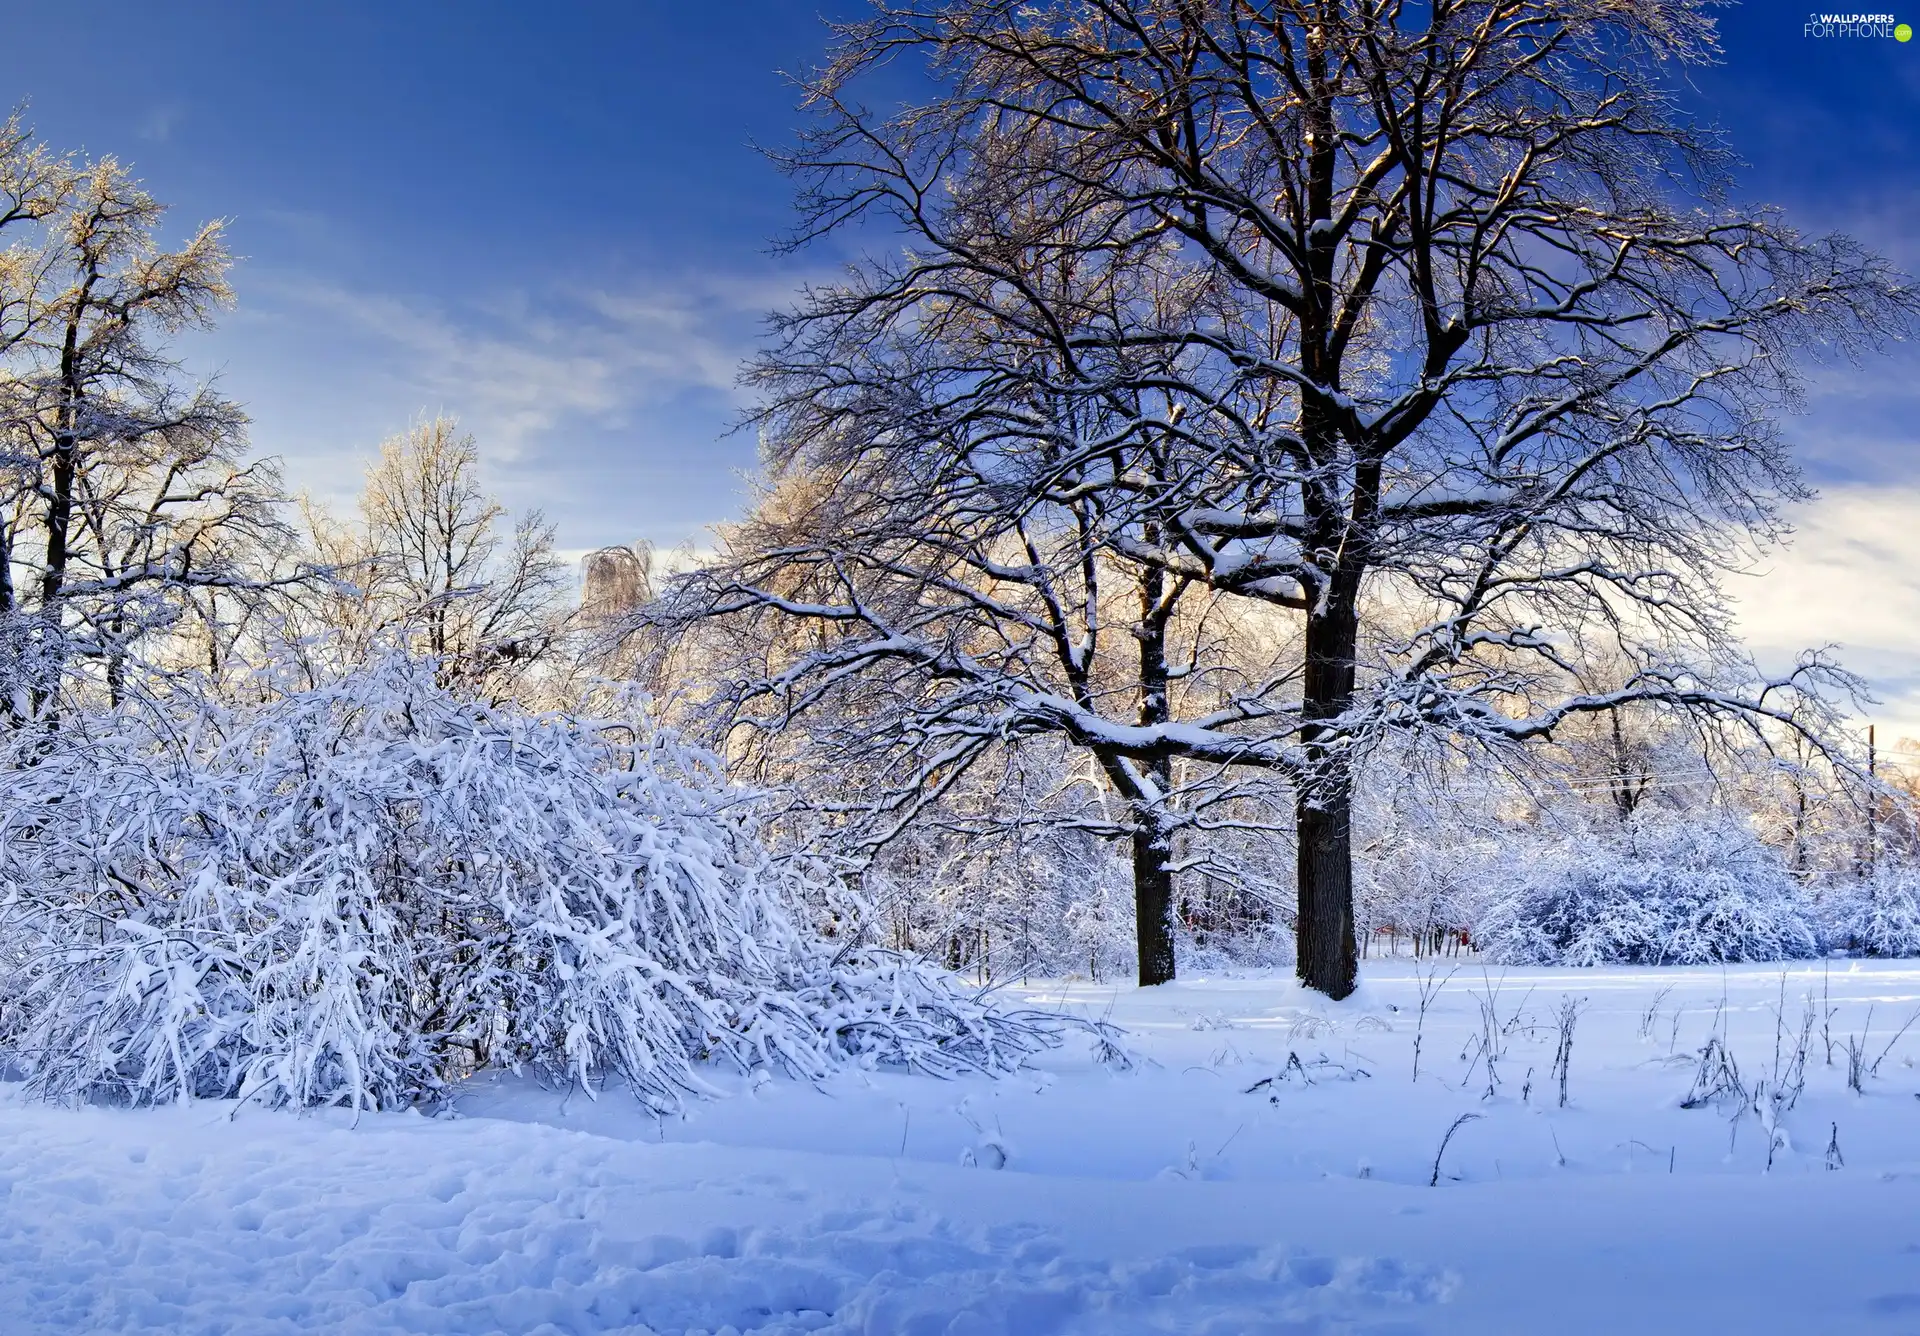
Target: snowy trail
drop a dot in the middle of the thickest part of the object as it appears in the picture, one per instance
(1120, 1209)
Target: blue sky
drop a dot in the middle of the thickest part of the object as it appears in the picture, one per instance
(545, 218)
(549, 219)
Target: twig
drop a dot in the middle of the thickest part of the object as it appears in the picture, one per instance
(1651, 1016)
(1429, 990)
(1779, 1019)
(1567, 1015)
(1458, 1123)
(1857, 1057)
(1875, 1069)
(1826, 1005)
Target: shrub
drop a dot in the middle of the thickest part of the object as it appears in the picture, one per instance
(358, 894)
(1653, 892)
(1876, 916)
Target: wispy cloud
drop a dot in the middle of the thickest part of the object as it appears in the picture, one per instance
(607, 404)
(1852, 576)
(603, 403)
(159, 123)
(524, 365)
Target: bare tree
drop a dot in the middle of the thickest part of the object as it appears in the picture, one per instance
(1377, 316)
(905, 632)
(431, 553)
(126, 486)
(35, 184)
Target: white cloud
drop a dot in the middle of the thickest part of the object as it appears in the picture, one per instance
(522, 366)
(158, 125)
(1851, 579)
(586, 374)
(606, 404)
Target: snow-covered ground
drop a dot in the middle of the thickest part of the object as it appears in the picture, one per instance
(1177, 1197)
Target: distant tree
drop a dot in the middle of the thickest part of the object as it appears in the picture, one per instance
(616, 580)
(364, 892)
(885, 637)
(431, 555)
(1648, 891)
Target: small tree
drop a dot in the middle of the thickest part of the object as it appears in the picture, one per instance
(361, 892)
(904, 634)
(1651, 891)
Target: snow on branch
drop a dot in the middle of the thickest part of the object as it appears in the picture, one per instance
(360, 893)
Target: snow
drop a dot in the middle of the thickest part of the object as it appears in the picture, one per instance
(1163, 1199)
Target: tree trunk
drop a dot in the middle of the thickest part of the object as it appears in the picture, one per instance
(1152, 905)
(116, 663)
(1324, 939)
(66, 456)
(1152, 844)
(1325, 954)
(53, 573)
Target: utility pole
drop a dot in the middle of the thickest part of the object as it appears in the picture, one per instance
(1873, 803)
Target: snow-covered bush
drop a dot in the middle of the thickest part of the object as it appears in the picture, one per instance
(1874, 916)
(357, 894)
(1651, 892)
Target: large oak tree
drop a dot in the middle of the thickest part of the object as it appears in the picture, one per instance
(1428, 327)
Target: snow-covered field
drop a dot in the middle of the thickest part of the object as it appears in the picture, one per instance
(1176, 1197)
